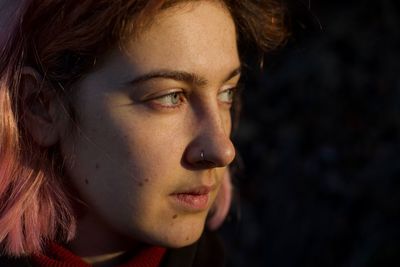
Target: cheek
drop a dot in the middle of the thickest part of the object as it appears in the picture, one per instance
(124, 148)
(117, 163)
(148, 144)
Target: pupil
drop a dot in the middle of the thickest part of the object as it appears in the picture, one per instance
(230, 95)
(175, 98)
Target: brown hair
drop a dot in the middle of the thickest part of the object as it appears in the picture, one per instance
(63, 40)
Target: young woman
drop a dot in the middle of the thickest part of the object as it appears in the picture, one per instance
(115, 123)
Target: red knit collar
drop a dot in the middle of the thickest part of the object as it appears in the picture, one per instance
(58, 256)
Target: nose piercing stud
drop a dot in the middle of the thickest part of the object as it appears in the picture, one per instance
(202, 155)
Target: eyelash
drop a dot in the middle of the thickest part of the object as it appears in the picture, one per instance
(181, 100)
(157, 100)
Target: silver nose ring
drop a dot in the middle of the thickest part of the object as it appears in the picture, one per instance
(202, 155)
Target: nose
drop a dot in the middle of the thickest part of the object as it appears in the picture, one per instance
(211, 146)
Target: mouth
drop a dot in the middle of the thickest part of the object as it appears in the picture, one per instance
(194, 199)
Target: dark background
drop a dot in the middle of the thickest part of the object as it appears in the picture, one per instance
(319, 140)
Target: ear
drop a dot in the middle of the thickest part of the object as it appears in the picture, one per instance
(41, 108)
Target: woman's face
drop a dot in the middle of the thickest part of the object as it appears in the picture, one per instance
(146, 115)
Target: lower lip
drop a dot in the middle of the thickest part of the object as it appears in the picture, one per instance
(192, 202)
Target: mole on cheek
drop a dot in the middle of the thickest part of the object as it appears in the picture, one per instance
(140, 184)
(175, 216)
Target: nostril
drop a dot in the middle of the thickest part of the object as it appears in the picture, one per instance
(207, 164)
(218, 155)
(210, 148)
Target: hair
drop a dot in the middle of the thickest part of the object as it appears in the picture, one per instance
(62, 40)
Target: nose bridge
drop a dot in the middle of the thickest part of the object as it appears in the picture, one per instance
(214, 121)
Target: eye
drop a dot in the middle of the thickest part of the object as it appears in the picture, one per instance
(171, 100)
(227, 96)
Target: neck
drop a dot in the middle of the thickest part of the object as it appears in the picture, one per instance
(97, 244)
(106, 260)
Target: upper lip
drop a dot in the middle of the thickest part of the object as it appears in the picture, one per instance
(196, 190)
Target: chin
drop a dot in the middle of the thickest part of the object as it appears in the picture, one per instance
(184, 241)
(181, 235)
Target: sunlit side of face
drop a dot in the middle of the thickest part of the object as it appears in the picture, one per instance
(145, 116)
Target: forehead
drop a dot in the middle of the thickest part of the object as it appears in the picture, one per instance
(200, 32)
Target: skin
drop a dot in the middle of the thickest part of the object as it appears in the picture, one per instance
(139, 140)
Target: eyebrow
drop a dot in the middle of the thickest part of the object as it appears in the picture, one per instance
(183, 76)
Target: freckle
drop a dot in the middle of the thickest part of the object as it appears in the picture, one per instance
(140, 184)
(187, 238)
(175, 216)
(86, 181)
(97, 166)
(146, 180)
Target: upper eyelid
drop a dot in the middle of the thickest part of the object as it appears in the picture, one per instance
(158, 100)
(233, 87)
(185, 91)
(169, 94)
(164, 94)
(135, 84)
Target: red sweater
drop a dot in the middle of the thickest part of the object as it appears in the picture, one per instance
(58, 256)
